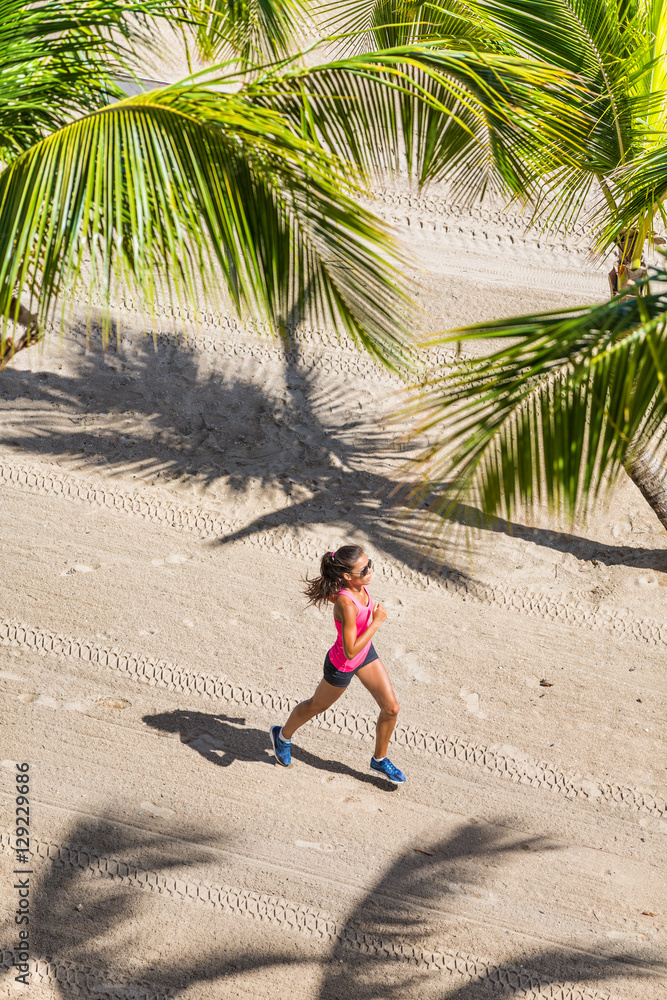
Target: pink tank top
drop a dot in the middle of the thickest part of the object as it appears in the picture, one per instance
(364, 618)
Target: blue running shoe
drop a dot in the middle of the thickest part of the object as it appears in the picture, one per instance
(387, 770)
(281, 748)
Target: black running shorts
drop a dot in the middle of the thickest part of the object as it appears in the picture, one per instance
(341, 678)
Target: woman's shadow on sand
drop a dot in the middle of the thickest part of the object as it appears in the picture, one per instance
(222, 739)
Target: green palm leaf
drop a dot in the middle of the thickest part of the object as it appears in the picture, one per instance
(182, 190)
(619, 50)
(551, 418)
(252, 30)
(478, 118)
(369, 25)
(60, 59)
(189, 189)
(643, 184)
(56, 61)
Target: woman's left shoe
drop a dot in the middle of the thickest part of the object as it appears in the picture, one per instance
(387, 770)
(281, 748)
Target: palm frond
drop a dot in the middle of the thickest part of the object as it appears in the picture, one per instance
(619, 52)
(183, 189)
(251, 30)
(551, 418)
(370, 25)
(643, 190)
(609, 47)
(61, 58)
(478, 117)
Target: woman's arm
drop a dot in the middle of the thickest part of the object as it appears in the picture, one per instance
(352, 643)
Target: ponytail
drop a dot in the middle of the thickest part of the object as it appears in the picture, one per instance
(331, 579)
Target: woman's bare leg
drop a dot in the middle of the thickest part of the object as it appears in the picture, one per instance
(375, 679)
(325, 695)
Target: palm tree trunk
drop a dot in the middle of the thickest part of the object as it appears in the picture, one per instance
(10, 345)
(649, 477)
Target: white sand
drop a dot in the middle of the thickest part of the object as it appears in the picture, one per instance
(166, 504)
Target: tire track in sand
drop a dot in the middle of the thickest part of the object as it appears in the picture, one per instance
(231, 340)
(172, 677)
(79, 980)
(210, 524)
(291, 917)
(498, 227)
(316, 349)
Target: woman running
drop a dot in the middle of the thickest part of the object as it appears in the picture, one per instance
(342, 581)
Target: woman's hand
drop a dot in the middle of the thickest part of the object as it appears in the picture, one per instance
(379, 614)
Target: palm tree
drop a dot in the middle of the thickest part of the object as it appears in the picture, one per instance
(620, 51)
(617, 50)
(580, 394)
(165, 192)
(243, 180)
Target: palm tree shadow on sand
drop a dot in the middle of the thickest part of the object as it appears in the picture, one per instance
(107, 928)
(194, 422)
(201, 424)
(399, 912)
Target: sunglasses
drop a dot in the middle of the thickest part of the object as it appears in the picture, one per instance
(366, 569)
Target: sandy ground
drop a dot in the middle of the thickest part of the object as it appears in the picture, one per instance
(161, 503)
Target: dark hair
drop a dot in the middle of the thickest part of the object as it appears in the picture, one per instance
(331, 580)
